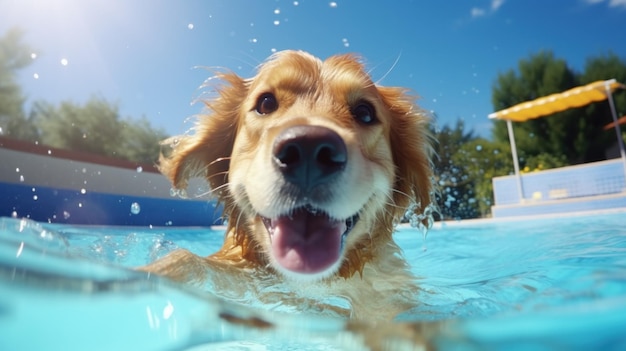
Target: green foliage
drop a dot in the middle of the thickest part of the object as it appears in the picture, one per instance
(14, 55)
(455, 195)
(141, 142)
(464, 170)
(96, 127)
(482, 160)
(542, 162)
(598, 115)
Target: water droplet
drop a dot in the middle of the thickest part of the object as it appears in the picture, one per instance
(277, 11)
(84, 170)
(276, 22)
(296, 3)
(83, 191)
(36, 76)
(33, 56)
(190, 26)
(168, 310)
(14, 214)
(139, 169)
(64, 62)
(479, 147)
(135, 208)
(35, 197)
(80, 204)
(49, 152)
(66, 215)
(17, 170)
(21, 178)
(332, 4)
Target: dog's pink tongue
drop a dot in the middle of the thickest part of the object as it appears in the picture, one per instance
(306, 243)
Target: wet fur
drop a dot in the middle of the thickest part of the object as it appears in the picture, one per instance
(230, 140)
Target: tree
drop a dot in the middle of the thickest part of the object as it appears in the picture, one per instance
(96, 127)
(141, 141)
(14, 56)
(484, 159)
(464, 168)
(598, 115)
(538, 76)
(455, 196)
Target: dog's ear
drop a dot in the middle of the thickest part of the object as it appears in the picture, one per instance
(411, 146)
(206, 153)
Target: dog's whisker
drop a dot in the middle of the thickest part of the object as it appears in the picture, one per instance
(211, 192)
(390, 68)
(249, 64)
(219, 160)
(238, 220)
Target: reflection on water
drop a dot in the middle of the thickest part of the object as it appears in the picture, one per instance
(542, 284)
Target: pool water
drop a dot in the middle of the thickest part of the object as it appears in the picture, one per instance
(541, 283)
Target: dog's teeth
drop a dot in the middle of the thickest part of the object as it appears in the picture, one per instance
(310, 209)
(268, 225)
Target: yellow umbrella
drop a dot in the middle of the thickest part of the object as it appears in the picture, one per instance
(547, 105)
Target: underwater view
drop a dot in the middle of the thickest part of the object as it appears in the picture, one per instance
(541, 283)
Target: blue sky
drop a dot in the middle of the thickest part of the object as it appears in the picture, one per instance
(144, 55)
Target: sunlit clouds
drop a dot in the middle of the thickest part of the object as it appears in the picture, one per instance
(477, 12)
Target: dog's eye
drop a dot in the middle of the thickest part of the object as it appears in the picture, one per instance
(266, 104)
(364, 113)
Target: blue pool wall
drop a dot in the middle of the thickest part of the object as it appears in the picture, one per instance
(60, 186)
(587, 187)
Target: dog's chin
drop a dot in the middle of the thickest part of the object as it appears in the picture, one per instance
(307, 243)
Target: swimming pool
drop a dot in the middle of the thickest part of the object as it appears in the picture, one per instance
(540, 283)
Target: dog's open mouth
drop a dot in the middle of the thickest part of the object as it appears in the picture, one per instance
(308, 241)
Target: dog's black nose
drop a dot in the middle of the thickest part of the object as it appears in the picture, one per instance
(309, 156)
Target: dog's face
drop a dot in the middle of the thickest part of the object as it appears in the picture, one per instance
(318, 161)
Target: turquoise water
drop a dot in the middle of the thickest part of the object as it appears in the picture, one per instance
(486, 285)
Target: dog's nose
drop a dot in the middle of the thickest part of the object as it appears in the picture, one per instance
(309, 156)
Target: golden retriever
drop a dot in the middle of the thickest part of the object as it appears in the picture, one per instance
(315, 165)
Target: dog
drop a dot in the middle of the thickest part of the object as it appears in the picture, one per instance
(315, 165)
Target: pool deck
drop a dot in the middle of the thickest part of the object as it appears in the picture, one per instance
(490, 220)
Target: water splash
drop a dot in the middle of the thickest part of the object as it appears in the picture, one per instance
(135, 208)
(182, 193)
(421, 221)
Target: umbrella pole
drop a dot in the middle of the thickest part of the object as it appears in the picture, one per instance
(509, 127)
(620, 141)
